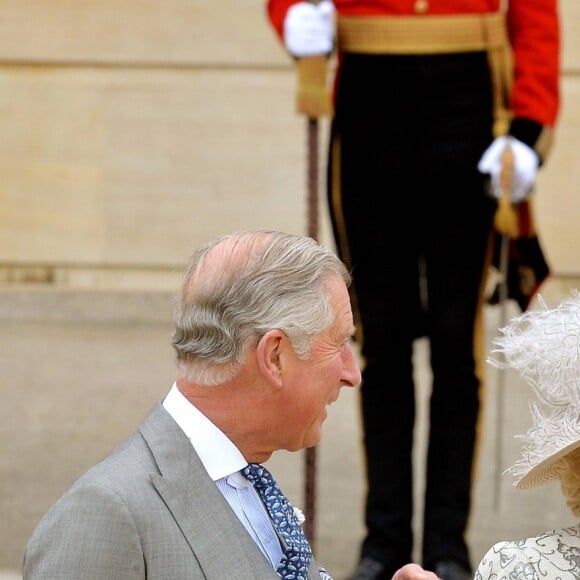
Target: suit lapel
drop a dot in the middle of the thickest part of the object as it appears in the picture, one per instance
(217, 538)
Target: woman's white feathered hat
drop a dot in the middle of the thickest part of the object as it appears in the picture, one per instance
(544, 347)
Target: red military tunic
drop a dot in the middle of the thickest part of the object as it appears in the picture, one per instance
(534, 35)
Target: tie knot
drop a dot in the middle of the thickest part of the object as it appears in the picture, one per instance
(258, 475)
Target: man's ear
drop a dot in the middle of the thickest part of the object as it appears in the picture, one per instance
(269, 355)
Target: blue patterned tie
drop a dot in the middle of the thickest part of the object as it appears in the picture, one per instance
(297, 556)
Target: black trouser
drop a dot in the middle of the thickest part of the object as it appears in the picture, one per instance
(405, 196)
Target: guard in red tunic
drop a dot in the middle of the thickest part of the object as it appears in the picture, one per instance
(428, 95)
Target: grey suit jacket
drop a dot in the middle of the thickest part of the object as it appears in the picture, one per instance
(148, 510)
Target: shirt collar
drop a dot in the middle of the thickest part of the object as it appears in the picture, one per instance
(217, 452)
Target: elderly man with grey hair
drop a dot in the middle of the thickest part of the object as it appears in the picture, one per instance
(262, 339)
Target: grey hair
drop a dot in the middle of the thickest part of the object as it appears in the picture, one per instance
(238, 287)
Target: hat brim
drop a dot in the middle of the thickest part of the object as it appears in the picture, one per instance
(546, 470)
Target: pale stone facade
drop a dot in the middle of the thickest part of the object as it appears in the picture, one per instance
(133, 130)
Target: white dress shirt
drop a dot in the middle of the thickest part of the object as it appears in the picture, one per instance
(223, 461)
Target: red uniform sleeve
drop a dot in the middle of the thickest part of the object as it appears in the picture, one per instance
(277, 12)
(535, 37)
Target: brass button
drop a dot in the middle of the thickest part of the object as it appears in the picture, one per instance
(421, 6)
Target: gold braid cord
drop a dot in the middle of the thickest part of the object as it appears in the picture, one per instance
(313, 97)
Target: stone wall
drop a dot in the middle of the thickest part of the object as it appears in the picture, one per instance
(133, 130)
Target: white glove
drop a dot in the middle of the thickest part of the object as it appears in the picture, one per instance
(525, 167)
(309, 28)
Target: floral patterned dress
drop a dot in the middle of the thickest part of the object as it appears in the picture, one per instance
(554, 555)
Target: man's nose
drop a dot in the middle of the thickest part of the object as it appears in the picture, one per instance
(351, 375)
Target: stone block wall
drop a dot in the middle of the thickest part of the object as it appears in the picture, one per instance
(133, 130)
